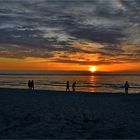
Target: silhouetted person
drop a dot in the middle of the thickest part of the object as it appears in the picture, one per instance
(32, 85)
(29, 84)
(126, 86)
(73, 86)
(67, 86)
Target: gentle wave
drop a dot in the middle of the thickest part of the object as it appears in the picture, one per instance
(84, 83)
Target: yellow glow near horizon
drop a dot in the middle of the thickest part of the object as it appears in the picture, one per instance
(91, 58)
(45, 64)
(92, 69)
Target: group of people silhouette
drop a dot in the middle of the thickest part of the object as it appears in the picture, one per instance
(68, 86)
(31, 84)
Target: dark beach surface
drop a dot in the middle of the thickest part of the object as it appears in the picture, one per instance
(58, 114)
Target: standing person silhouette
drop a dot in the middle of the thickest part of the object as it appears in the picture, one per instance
(29, 84)
(32, 85)
(126, 86)
(67, 86)
(73, 86)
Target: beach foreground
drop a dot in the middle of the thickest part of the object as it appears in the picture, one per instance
(52, 114)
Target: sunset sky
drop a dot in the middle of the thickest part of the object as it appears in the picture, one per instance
(70, 35)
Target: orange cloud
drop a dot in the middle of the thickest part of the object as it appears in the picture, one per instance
(86, 54)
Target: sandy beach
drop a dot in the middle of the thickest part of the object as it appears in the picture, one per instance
(57, 114)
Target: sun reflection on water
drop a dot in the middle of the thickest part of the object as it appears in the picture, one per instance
(92, 85)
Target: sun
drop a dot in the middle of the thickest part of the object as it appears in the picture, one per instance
(92, 68)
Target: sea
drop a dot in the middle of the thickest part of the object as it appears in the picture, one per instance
(85, 81)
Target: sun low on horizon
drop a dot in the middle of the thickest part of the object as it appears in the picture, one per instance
(92, 69)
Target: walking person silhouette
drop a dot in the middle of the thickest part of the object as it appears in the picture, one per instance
(67, 86)
(73, 86)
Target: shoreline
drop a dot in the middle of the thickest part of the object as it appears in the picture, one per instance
(62, 92)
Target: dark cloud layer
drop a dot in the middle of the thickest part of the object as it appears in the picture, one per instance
(41, 27)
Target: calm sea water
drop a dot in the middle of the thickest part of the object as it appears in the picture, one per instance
(89, 83)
